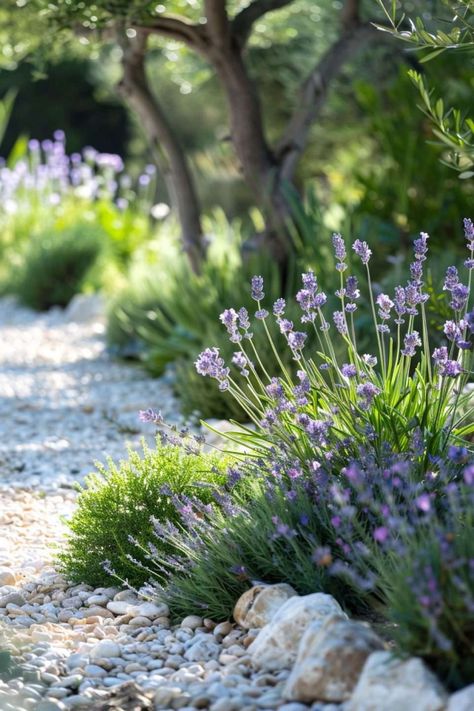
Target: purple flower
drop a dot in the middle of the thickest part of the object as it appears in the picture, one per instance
(367, 392)
(469, 233)
(243, 317)
(385, 305)
(229, 319)
(261, 314)
(421, 247)
(348, 370)
(209, 363)
(451, 330)
(460, 295)
(411, 341)
(274, 389)
(340, 321)
(352, 291)
(451, 279)
(400, 304)
(296, 340)
(257, 288)
(279, 307)
(423, 502)
(151, 415)
(339, 251)
(309, 281)
(381, 534)
(440, 355)
(362, 250)
(241, 361)
(285, 325)
(468, 475)
(369, 360)
(451, 369)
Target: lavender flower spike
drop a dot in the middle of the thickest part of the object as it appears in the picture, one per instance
(257, 288)
(411, 341)
(362, 250)
(150, 416)
(339, 251)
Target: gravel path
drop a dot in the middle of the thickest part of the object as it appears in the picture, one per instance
(63, 405)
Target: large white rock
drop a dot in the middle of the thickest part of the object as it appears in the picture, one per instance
(330, 659)
(85, 308)
(257, 606)
(462, 700)
(276, 645)
(391, 684)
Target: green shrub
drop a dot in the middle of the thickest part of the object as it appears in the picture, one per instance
(53, 267)
(117, 502)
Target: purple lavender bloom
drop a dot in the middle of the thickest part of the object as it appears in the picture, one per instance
(348, 370)
(229, 319)
(381, 534)
(468, 475)
(309, 281)
(318, 430)
(451, 279)
(362, 250)
(451, 369)
(421, 247)
(460, 295)
(151, 416)
(440, 355)
(469, 264)
(469, 232)
(385, 305)
(275, 389)
(451, 330)
(423, 502)
(470, 321)
(209, 363)
(400, 304)
(352, 290)
(416, 271)
(241, 361)
(279, 307)
(367, 392)
(339, 251)
(340, 322)
(257, 288)
(285, 325)
(243, 317)
(261, 314)
(411, 341)
(459, 455)
(369, 360)
(296, 340)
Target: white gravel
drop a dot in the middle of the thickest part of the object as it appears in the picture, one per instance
(64, 404)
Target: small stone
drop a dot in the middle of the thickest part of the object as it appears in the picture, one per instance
(223, 628)
(76, 660)
(49, 705)
(100, 600)
(119, 607)
(127, 595)
(257, 606)
(70, 682)
(94, 671)
(140, 622)
(165, 695)
(13, 598)
(192, 621)
(7, 578)
(202, 651)
(104, 649)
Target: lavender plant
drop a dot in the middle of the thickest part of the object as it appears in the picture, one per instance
(45, 189)
(376, 399)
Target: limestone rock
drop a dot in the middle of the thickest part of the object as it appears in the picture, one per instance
(330, 659)
(391, 684)
(256, 607)
(277, 643)
(462, 700)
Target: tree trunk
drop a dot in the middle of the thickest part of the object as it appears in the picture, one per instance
(259, 167)
(167, 151)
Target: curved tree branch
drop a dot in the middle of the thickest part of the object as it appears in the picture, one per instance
(243, 22)
(313, 94)
(178, 28)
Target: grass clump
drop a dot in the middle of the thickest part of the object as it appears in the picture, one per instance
(54, 267)
(115, 507)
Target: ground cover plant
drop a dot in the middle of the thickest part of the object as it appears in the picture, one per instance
(350, 457)
(116, 506)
